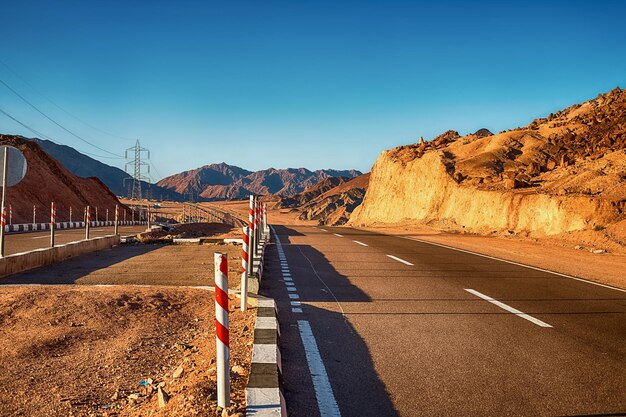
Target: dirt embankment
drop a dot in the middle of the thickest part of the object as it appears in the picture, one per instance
(48, 181)
(560, 175)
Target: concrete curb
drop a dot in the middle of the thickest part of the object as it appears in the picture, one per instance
(263, 395)
(37, 227)
(24, 261)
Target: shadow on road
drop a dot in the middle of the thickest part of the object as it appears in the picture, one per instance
(71, 270)
(355, 383)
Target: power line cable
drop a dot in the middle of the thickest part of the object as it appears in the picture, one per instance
(44, 136)
(54, 121)
(61, 108)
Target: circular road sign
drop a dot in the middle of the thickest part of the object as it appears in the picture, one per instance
(16, 168)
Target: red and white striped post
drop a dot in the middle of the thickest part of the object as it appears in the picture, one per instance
(244, 268)
(97, 219)
(34, 215)
(70, 215)
(52, 224)
(107, 216)
(87, 221)
(3, 223)
(221, 330)
(10, 214)
(258, 229)
(264, 210)
(252, 245)
(116, 219)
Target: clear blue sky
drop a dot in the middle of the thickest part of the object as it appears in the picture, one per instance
(299, 83)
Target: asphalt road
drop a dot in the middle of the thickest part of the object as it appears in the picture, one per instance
(22, 242)
(438, 332)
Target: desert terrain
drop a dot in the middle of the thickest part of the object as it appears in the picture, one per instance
(101, 334)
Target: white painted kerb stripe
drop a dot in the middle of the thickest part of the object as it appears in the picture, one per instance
(508, 308)
(264, 353)
(360, 243)
(400, 260)
(323, 391)
(337, 234)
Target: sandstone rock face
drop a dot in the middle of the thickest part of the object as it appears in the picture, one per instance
(563, 173)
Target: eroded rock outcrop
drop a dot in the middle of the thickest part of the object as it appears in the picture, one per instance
(563, 173)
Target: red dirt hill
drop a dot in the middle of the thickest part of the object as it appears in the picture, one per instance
(47, 180)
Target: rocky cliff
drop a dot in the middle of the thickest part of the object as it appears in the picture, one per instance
(562, 173)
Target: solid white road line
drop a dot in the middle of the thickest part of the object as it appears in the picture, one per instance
(400, 260)
(323, 391)
(508, 308)
(41, 237)
(337, 234)
(360, 243)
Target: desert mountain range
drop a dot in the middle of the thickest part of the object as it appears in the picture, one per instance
(223, 181)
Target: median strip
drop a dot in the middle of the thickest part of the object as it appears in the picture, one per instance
(508, 308)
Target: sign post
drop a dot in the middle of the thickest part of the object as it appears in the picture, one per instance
(13, 171)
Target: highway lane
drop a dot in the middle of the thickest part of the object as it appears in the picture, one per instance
(22, 242)
(408, 328)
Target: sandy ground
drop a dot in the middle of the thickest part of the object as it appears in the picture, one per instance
(279, 217)
(82, 350)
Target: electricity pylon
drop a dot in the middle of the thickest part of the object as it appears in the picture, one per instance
(138, 165)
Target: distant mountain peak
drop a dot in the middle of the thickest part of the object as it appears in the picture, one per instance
(221, 180)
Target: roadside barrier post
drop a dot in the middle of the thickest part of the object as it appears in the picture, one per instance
(221, 330)
(52, 224)
(97, 215)
(124, 216)
(244, 268)
(148, 214)
(258, 229)
(116, 220)
(87, 221)
(133, 215)
(70, 214)
(4, 193)
(252, 235)
(10, 214)
(2, 224)
(34, 216)
(107, 216)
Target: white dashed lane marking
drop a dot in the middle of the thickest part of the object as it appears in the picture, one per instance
(400, 260)
(508, 308)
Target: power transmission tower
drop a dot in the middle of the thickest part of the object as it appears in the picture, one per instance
(138, 165)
